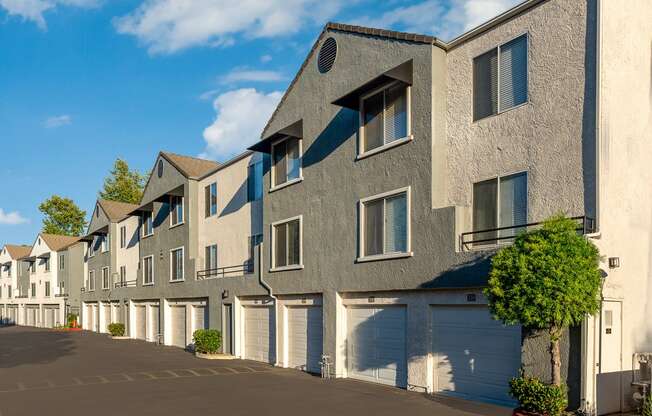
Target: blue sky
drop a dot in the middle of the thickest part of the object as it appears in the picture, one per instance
(83, 82)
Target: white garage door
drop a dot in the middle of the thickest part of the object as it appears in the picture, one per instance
(31, 316)
(305, 339)
(50, 317)
(117, 314)
(178, 326)
(141, 322)
(260, 334)
(475, 356)
(376, 345)
(154, 327)
(13, 313)
(199, 318)
(106, 317)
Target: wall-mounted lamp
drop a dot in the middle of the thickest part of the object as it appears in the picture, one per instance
(614, 262)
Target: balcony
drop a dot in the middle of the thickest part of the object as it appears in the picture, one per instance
(125, 283)
(61, 295)
(490, 238)
(22, 297)
(228, 271)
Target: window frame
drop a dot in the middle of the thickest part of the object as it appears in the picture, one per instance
(143, 224)
(32, 288)
(108, 278)
(174, 214)
(527, 78)
(361, 154)
(46, 265)
(123, 236)
(48, 290)
(123, 277)
(62, 261)
(208, 202)
(183, 266)
(361, 258)
(150, 257)
(105, 244)
(272, 171)
(91, 280)
(208, 249)
(273, 225)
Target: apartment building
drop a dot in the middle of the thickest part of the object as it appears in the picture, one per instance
(9, 269)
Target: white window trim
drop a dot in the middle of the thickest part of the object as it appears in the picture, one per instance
(273, 245)
(207, 201)
(143, 225)
(361, 236)
(143, 265)
(272, 173)
(108, 278)
(527, 78)
(361, 135)
(170, 213)
(105, 241)
(123, 228)
(183, 266)
(91, 278)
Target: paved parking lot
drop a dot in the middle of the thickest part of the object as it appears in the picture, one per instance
(48, 372)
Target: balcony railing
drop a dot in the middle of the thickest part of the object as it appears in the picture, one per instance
(61, 295)
(228, 271)
(503, 235)
(125, 283)
(22, 297)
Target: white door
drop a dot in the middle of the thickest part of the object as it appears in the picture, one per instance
(178, 326)
(31, 316)
(474, 355)
(376, 345)
(106, 317)
(260, 333)
(96, 318)
(117, 315)
(141, 322)
(305, 339)
(610, 378)
(154, 328)
(49, 317)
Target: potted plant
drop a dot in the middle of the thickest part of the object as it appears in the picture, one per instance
(207, 344)
(117, 331)
(548, 280)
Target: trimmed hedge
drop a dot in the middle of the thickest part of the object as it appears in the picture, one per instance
(117, 330)
(535, 396)
(207, 341)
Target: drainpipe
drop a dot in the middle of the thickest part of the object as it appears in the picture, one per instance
(260, 274)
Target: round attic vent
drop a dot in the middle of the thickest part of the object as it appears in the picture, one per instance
(327, 55)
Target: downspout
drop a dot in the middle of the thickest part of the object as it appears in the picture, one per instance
(260, 274)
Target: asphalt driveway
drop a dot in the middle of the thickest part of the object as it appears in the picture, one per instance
(48, 372)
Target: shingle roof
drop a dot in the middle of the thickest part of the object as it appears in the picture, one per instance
(116, 211)
(58, 242)
(191, 167)
(17, 252)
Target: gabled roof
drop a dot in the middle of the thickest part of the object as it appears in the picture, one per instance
(190, 167)
(116, 211)
(58, 242)
(17, 252)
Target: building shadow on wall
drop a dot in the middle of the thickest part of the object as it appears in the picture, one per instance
(589, 139)
(342, 127)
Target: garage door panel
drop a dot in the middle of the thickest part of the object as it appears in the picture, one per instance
(260, 337)
(467, 340)
(141, 322)
(178, 326)
(305, 337)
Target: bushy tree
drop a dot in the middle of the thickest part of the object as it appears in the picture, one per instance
(123, 184)
(62, 216)
(549, 279)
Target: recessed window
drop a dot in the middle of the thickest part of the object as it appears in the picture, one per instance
(286, 156)
(384, 117)
(147, 224)
(105, 278)
(123, 237)
(499, 202)
(62, 262)
(500, 78)
(33, 287)
(210, 199)
(385, 225)
(123, 275)
(176, 264)
(46, 263)
(91, 280)
(255, 181)
(10, 293)
(286, 243)
(105, 243)
(210, 258)
(176, 210)
(47, 289)
(148, 270)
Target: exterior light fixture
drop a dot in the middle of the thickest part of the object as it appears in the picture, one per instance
(614, 262)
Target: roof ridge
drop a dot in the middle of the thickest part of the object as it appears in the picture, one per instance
(189, 157)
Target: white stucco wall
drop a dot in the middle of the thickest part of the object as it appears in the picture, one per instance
(129, 255)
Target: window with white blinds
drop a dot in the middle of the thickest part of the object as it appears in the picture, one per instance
(384, 117)
(498, 203)
(385, 224)
(500, 78)
(286, 156)
(286, 240)
(176, 265)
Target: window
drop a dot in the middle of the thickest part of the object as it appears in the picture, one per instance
(254, 242)
(384, 117)
(210, 259)
(47, 289)
(286, 237)
(9, 292)
(500, 78)
(0, 291)
(148, 270)
(210, 199)
(32, 267)
(46, 262)
(148, 225)
(62, 262)
(123, 237)
(499, 202)
(286, 166)
(105, 243)
(91, 280)
(105, 278)
(33, 287)
(176, 210)
(62, 288)
(123, 275)
(255, 181)
(385, 225)
(176, 264)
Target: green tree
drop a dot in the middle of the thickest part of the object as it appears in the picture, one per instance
(548, 279)
(123, 185)
(62, 216)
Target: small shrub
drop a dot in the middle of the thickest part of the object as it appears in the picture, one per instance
(207, 341)
(71, 320)
(117, 330)
(646, 407)
(535, 396)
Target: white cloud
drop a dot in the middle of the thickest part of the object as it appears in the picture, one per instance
(11, 218)
(167, 26)
(265, 58)
(33, 10)
(57, 121)
(240, 117)
(250, 75)
(440, 18)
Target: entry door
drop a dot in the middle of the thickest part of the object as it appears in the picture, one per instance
(610, 378)
(228, 329)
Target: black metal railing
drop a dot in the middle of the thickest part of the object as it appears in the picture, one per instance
(503, 235)
(125, 283)
(61, 295)
(228, 271)
(22, 297)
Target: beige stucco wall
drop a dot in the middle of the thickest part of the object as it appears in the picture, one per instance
(129, 255)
